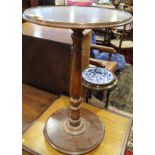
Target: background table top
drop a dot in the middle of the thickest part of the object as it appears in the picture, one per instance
(117, 129)
(77, 17)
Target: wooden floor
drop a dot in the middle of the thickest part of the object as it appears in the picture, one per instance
(34, 103)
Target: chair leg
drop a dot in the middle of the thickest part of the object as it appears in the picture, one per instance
(88, 95)
(107, 99)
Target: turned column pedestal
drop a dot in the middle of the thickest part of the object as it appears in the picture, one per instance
(74, 130)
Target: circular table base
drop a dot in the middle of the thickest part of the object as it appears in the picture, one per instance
(59, 139)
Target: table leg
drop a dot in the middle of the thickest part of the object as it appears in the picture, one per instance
(107, 99)
(88, 95)
(74, 130)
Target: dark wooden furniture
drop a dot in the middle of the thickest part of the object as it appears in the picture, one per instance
(77, 131)
(25, 4)
(34, 3)
(42, 2)
(123, 41)
(46, 57)
(114, 143)
(29, 3)
(108, 64)
(44, 47)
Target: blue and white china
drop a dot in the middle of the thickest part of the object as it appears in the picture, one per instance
(97, 76)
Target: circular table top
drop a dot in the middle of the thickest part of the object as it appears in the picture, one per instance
(77, 17)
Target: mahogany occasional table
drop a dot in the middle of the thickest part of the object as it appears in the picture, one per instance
(75, 130)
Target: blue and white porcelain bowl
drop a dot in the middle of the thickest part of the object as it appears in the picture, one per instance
(98, 76)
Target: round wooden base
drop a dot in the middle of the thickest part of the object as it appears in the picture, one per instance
(66, 143)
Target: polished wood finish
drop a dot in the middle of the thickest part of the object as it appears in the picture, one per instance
(96, 63)
(75, 83)
(77, 17)
(77, 129)
(48, 33)
(110, 65)
(67, 142)
(54, 34)
(87, 36)
(117, 129)
(50, 48)
(103, 48)
(34, 103)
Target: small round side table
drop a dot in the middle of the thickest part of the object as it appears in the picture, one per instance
(75, 130)
(99, 79)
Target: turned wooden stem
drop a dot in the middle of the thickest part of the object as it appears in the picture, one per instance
(75, 82)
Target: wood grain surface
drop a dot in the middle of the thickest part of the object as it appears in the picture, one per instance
(77, 17)
(34, 102)
(116, 132)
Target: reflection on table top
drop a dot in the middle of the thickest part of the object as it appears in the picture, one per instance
(77, 17)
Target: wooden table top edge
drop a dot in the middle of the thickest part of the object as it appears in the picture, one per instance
(78, 26)
(46, 39)
(40, 115)
(68, 25)
(126, 137)
(115, 112)
(29, 150)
